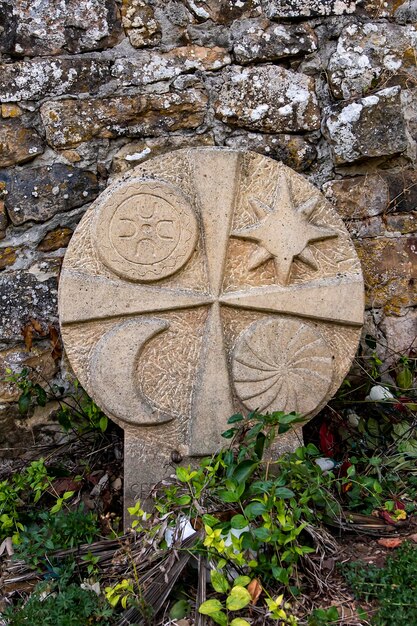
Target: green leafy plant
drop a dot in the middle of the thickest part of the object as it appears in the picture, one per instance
(393, 586)
(49, 532)
(67, 605)
(21, 492)
(77, 411)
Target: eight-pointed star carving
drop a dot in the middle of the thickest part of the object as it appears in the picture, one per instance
(283, 232)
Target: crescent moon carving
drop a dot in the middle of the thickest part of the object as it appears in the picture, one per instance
(113, 368)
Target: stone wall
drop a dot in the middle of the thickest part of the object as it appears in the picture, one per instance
(91, 88)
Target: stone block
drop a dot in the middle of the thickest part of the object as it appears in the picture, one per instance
(8, 23)
(293, 150)
(268, 99)
(136, 152)
(368, 127)
(359, 197)
(54, 27)
(284, 9)
(41, 78)
(362, 197)
(140, 23)
(401, 336)
(18, 143)
(55, 239)
(3, 220)
(23, 298)
(39, 193)
(39, 360)
(8, 256)
(151, 66)
(223, 11)
(390, 272)
(372, 54)
(70, 122)
(258, 39)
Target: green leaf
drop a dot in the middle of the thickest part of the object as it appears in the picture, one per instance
(183, 500)
(260, 445)
(210, 606)
(24, 403)
(243, 581)
(179, 610)
(103, 423)
(244, 470)
(373, 427)
(238, 598)
(219, 582)
(237, 417)
(254, 509)
(219, 617)
(239, 621)
(284, 493)
(182, 474)
(210, 520)
(228, 434)
(238, 521)
(41, 395)
(405, 378)
(262, 533)
(228, 496)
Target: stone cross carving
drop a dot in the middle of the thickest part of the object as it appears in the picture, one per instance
(204, 282)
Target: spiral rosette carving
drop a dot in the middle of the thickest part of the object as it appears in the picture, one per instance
(282, 364)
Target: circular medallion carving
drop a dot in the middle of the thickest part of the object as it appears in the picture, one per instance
(282, 363)
(147, 231)
(261, 305)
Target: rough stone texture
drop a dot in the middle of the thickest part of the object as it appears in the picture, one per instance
(23, 298)
(89, 71)
(401, 336)
(138, 151)
(56, 27)
(7, 26)
(55, 239)
(36, 79)
(293, 150)
(39, 193)
(390, 272)
(269, 99)
(348, 127)
(151, 67)
(362, 197)
(18, 143)
(370, 55)
(138, 18)
(70, 122)
(359, 197)
(284, 9)
(39, 360)
(259, 40)
(222, 11)
(3, 220)
(183, 271)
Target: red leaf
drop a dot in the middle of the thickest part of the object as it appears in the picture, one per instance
(387, 542)
(327, 440)
(255, 590)
(387, 517)
(61, 485)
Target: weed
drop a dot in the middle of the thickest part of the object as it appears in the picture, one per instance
(393, 586)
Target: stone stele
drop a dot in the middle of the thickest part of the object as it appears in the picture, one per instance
(204, 282)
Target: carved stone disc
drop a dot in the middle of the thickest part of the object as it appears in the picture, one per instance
(207, 281)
